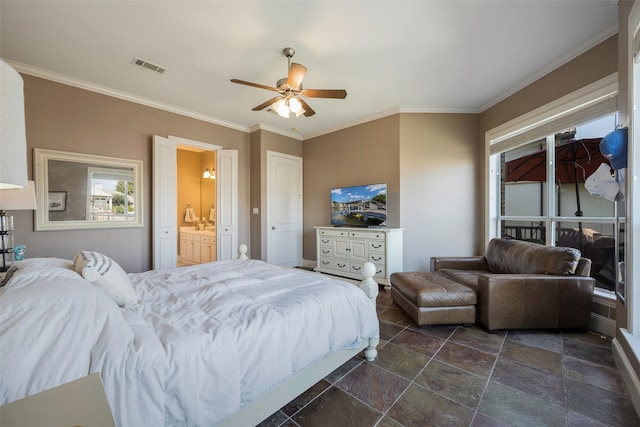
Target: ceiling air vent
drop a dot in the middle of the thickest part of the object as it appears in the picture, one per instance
(149, 65)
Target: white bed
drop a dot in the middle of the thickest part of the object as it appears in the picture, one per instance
(223, 343)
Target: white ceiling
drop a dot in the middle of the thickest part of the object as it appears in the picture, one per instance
(390, 56)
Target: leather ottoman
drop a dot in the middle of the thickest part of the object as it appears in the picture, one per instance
(431, 299)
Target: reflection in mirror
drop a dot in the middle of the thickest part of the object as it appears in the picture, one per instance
(80, 191)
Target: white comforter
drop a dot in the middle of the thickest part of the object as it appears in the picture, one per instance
(206, 340)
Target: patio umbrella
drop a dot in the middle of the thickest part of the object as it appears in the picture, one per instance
(576, 160)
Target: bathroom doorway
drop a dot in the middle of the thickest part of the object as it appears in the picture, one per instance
(165, 202)
(196, 205)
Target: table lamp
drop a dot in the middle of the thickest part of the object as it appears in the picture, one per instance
(13, 200)
(13, 158)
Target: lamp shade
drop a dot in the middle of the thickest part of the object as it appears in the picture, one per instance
(20, 199)
(13, 140)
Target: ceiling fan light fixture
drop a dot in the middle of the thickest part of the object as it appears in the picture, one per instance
(280, 107)
(295, 106)
(290, 89)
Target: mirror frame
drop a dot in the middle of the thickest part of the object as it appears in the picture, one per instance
(41, 159)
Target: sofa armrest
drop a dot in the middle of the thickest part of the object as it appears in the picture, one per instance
(584, 267)
(526, 301)
(458, 263)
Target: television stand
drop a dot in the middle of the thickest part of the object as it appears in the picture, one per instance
(342, 251)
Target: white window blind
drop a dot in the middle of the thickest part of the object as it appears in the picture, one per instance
(557, 122)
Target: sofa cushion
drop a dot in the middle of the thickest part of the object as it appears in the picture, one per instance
(515, 256)
(425, 289)
(468, 278)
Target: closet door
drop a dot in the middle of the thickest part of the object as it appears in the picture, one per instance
(227, 204)
(284, 209)
(165, 239)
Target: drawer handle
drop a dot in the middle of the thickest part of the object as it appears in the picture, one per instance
(376, 259)
(325, 251)
(379, 271)
(342, 265)
(356, 268)
(376, 246)
(325, 241)
(325, 262)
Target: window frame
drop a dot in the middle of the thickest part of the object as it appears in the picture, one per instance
(577, 107)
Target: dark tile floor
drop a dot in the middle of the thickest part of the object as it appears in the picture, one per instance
(464, 376)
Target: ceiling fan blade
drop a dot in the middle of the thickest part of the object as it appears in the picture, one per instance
(266, 104)
(308, 111)
(242, 82)
(296, 74)
(324, 93)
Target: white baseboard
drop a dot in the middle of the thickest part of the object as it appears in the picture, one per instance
(628, 375)
(602, 325)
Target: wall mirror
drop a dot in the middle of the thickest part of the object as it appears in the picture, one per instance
(81, 191)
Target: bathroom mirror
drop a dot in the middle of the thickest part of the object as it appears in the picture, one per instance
(82, 191)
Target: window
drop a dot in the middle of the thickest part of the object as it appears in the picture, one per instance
(539, 165)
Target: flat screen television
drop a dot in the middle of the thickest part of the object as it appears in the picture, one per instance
(359, 206)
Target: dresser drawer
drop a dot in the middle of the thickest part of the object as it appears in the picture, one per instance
(325, 241)
(380, 271)
(356, 268)
(325, 251)
(334, 233)
(333, 264)
(376, 257)
(376, 245)
(366, 235)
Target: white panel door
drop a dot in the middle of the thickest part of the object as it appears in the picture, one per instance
(227, 203)
(165, 170)
(284, 207)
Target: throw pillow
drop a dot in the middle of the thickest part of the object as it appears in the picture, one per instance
(107, 275)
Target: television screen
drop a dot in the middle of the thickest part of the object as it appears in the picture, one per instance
(359, 206)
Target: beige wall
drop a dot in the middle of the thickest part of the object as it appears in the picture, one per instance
(439, 158)
(261, 142)
(363, 154)
(256, 197)
(62, 117)
(429, 162)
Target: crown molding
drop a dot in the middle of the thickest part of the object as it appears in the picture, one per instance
(428, 110)
(104, 90)
(262, 126)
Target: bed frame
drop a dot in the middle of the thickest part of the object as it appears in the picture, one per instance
(260, 409)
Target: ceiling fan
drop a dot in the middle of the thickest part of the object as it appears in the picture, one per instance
(291, 91)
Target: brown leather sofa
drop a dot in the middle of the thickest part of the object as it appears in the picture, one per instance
(523, 285)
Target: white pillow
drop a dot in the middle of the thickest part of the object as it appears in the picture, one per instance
(35, 264)
(107, 275)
